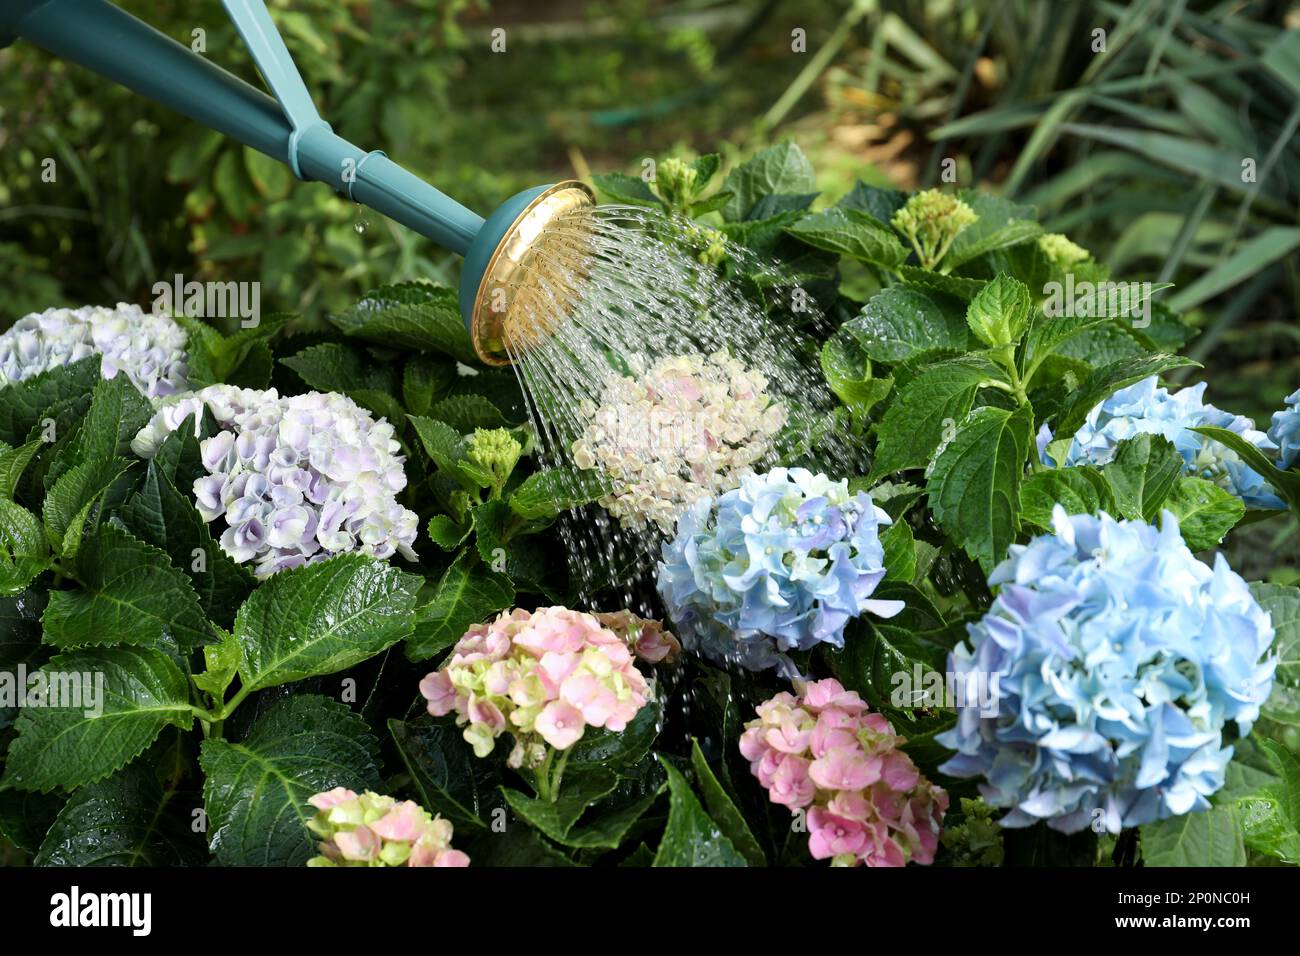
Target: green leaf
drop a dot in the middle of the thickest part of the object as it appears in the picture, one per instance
(724, 811)
(1211, 838)
(1142, 474)
(74, 497)
(256, 790)
(1107, 380)
(622, 188)
(165, 518)
(622, 749)
(851, 233)
(411, 315)
(999, 313)
(1205, 512)
(556, 819)
(691, 837)
(1080, 491)
(117, 413)
(848, 372)
(13, 462)
(446, 775)
(322, 618)
(221, 662)
(900, 551)
(129, 594)
(1271, 816)
(25, 402)
(926, 411)
(468, 593)
(125, 820)
(1283, 606)
(782, 168)
(899, 324)
(1001, 224)
(1047, 333)
(447, 533)
(545, 495)
(974, 487)
(425, 379)
(143, 691)
(449, 452)
(962, 288)
(465, 413)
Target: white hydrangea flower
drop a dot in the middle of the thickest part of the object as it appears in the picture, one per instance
(689, 426)
(148, 348)
(298, 479)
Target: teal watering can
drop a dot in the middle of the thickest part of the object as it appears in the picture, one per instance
(498, 251)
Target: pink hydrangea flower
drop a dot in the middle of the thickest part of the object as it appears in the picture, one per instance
(824, 751)
(372, 830)
(545, 677)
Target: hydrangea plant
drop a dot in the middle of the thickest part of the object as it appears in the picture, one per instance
(259, 542)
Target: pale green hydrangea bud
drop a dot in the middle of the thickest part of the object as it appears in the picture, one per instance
(675, 181)
(496, 451)
(1063, 253)
(977, 840)
(931, 220)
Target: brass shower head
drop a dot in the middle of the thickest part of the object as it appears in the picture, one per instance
(530, 273)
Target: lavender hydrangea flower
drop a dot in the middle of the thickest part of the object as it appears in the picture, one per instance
(298, 479)
(782, 562)
(149, 349)
(1285, 431)
(1114, 660)
(1146, 409)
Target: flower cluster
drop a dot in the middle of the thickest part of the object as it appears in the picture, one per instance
(687, 427)
(370, 830)
(149, 349)
(298, 479)
(544, 676)
(1145, 408)
(931, 220)
(1115, 658)
(782, 562)
(866, 802)
(1063, 253)
(1285, 432)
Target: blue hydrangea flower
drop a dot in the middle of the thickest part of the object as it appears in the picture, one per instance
(1285, 431)
(1145, 409)
(782, 562)
(1113, 659)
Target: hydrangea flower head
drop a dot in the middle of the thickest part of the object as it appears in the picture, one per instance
(297, 479)
(373, 830)
(149, 349)
(667, 436)
(544, 677)
(1285, 432)
(1115, 659)
(780, 563)
(931, 220)
(822, 751)
(1147, 409)
(1062, 251)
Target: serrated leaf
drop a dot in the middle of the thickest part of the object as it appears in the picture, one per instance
(117, 413)
(447, 533)
(322, 618)
(1107, 380)
(25, 402)
(411, 315)
(1001, 224)
(143, 691)
(447, 776)
(74, 497)
(1271, 816)
(900, 551)
(723, 809)
(256, 790)
(848, 232)
(24, 553)
(125, 820)
(162, 516)
(1080, 491)
(1287, 483)
(622, 188)
(1283, 606)
(556, 819)
(425, 379)
(999, 313)
(899, 324)
(974, 488)
(221, 664)
(468, 593)
(448, 450)
(848, 372)
(1205, 512)
(782, 168)
(1210, 838)
(545, 495)
(926, 411)
(962, 288)
(465, 413)
(691, 838)
(1142, 474)
(129, 594)
(13, 462)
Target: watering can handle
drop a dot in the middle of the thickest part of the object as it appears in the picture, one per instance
(109, 41)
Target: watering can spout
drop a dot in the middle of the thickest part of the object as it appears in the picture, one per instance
(107, 40)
